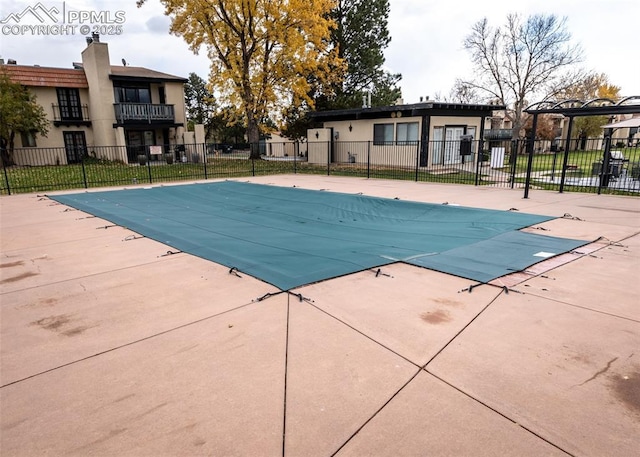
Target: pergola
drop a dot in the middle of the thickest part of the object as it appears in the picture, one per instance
(578, 108)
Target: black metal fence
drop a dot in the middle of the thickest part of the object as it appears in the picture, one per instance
(589, 167)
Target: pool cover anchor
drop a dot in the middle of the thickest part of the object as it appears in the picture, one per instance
(379, 273)
(168, 253)
(234, 271)
(133, 237)
(470, 288)
(301, 298)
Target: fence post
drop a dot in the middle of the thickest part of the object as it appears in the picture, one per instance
(6, 177)
(296, 150)
(531, 148)
(605, 172)
(565, 162)
(479, 156)
(515, 146)
(417, 161)
(149, 166)
(84, 173)
(205, 159)
(567, 148)
(368, 159)
(253, 167)
(328, 158)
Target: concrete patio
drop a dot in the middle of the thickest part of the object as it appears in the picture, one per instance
(110, 345)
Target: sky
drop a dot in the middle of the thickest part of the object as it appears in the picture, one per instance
(426, 37)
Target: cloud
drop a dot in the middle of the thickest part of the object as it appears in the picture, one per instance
(159, 25)
(426, 39)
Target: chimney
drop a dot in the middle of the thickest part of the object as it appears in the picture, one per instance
(97, 68)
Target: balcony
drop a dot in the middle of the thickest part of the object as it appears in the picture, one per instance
(144, 113)
(70, 114)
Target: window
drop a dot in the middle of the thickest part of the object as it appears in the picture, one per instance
(382, 134)
(132, 94)
(438, 145)
(407, 132)
(69, 104)
(28, 139)
(75, 146)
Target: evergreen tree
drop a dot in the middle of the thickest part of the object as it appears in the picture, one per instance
(200, 103)
(361, 36)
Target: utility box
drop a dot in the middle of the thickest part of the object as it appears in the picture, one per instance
(465, 145)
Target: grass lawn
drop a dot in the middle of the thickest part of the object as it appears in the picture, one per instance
(95, 174)
(582, 160)
(92, 175)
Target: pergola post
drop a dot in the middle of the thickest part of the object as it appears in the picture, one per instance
(567, 147)
(530, 149)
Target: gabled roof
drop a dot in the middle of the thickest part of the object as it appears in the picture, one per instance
(141, 73)
(45, 76)
(416, 109)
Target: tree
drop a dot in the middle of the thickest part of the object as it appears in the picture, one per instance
(361, 36)
(523, 60)
(200, 103)
(545, 127)
(588, 87)
(460, 93)
(591, 86)
(261, 51)
(19, 113)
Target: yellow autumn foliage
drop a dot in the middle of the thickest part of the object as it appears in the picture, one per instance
(262, 52)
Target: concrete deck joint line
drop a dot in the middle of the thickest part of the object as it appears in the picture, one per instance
(131, 343)
(377, 412)
(502, 291)
(364, 334)
(573, 305)
(286, 361)
(100, 273)
(499, 413)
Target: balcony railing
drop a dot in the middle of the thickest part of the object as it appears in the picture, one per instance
(498, 134)
(143, 112)
(70, 114)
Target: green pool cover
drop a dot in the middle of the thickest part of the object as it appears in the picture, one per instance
(290, 237)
